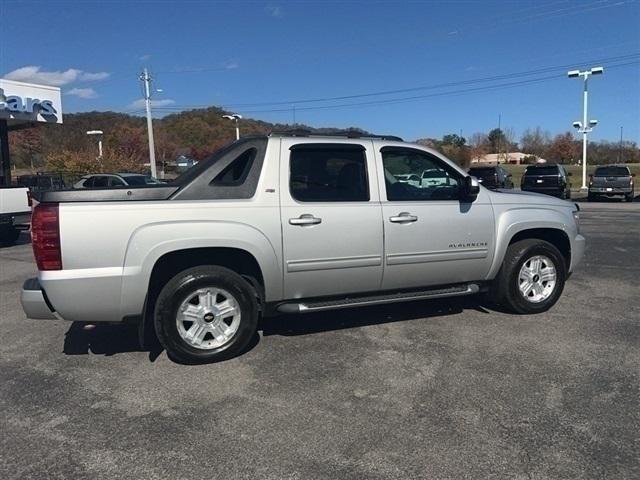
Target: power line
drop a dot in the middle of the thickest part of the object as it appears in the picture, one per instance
(435, 86)
(415, 97)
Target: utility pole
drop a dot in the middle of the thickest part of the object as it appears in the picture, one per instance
(585, 126)
(499, 138)
(620, 146)
(146, 80)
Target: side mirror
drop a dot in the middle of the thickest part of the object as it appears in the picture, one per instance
(470, 188)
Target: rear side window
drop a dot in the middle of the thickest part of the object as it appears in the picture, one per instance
(328, 173)
(100, 181)
(547, 170)
(236, 172)
(612, 172)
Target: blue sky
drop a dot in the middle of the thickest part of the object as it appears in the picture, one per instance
(239, 54)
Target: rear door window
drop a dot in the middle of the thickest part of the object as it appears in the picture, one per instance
(328, 173)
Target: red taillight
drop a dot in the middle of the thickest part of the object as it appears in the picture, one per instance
(45, 236)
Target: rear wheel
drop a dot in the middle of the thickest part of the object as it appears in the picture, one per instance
(531, 278)
(206, 314)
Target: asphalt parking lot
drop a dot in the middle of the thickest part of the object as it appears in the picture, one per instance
(444, 389)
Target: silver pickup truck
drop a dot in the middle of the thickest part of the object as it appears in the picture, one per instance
(291, 224)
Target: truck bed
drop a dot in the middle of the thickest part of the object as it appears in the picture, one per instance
(112, 194)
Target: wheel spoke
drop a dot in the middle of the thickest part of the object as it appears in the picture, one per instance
(196, 333)
(218, 331)
(190, 313)
(208, 298)
(547, 274)
(526, 287)
(226, 309)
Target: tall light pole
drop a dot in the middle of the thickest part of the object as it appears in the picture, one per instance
(585, 126)
(146, 80)
(235, 117)
(98, 133)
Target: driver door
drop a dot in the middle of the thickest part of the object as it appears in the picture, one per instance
(432, 237)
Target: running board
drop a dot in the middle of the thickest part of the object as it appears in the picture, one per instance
(364, 300)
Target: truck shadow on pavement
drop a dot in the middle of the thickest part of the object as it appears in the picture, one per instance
(111, 339)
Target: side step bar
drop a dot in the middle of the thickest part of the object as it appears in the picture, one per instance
(364, 300)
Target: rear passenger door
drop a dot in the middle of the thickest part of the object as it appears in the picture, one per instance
(331, 218)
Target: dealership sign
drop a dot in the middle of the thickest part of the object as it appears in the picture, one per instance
(25, 103)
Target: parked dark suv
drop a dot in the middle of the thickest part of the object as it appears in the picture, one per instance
(492, 176)
(548, 179)
(611, 180)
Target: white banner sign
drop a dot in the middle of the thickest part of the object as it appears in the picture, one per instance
(25, 102)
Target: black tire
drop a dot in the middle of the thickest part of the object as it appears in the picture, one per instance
(8, 236)
(505, 288)
(591, 197)
(629, 197)
(188, 282)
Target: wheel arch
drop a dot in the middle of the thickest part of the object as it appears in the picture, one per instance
(544, 225)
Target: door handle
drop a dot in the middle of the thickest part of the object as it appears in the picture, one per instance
(403, 217)
(306, 219)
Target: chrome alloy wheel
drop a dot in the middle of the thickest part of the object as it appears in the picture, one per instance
(208, 318)
(537, 279)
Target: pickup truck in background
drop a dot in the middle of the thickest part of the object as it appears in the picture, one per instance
(15, 213)
(292, 223)
(611, 180)
(546, 178)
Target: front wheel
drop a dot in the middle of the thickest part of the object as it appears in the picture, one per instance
(629, 197)
(531, 278)
(206, 314)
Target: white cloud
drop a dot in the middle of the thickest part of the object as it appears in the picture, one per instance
(138, 104)
(82, 92)
(231, 65)
(145, 58)
(35, 74)
(274, 10)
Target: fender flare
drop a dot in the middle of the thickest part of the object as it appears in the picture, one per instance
(150, 242)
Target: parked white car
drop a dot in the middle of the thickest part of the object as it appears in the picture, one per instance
(15, 213)
(102, 180)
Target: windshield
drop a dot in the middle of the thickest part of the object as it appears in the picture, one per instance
(482, 171)
(612, 172)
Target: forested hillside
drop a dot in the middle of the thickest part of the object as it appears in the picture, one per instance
(195, 134)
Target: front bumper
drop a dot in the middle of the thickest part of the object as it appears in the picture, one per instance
(34, 301)
(577, 251)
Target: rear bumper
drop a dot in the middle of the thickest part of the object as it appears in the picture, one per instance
(34, 301)
(557, 191)
(611, 190)
(15, 219)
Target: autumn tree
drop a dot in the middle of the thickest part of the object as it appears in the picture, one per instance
(563, 149)
(535, 141)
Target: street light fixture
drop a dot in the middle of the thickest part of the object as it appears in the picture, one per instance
(99, 133)
(234, 117)
(585, 126)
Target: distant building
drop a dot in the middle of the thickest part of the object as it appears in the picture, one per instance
(514, 158)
